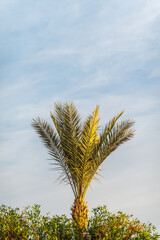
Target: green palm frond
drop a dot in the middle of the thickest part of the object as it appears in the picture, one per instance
(49, 137)
(68, 125)
(52, 142)
(119, 134)
(108, 128)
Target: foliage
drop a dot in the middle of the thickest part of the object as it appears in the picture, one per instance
(105, 225)
(30, 224)
(78, 149)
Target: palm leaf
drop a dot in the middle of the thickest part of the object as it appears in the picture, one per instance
(76, 150)
(119, 134)
(88, 139)
(52, 142)
(68, 124)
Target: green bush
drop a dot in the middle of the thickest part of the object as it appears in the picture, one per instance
(105, 225)
(30, 224)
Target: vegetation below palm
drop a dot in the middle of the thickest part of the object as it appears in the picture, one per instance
(31, 224)
(78, 150)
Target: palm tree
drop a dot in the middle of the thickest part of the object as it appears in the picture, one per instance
(78, 150)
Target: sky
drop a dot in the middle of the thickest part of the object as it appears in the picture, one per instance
(89, 52)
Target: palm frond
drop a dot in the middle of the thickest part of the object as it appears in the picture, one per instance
(89, 137)
(108, 128)
(110, 139)
(118, 135)
(76, 150)
(68, 124)
(49, 138)
(52, 142)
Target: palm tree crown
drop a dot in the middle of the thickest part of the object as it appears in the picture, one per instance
(77, 149)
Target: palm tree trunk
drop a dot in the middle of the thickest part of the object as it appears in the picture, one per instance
(79, 213)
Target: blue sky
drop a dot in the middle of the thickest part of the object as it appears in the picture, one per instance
(91, 52)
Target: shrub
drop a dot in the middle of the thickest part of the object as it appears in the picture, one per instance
(29, 224)
(105, 225)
